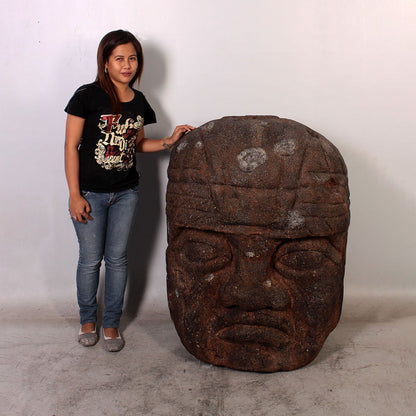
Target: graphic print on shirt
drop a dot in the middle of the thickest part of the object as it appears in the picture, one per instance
(117, 148)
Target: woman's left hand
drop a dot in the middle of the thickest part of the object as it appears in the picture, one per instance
(178, 133)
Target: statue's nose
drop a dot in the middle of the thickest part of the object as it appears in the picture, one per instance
(254, 284)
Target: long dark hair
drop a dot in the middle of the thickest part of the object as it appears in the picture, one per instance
(108, 43)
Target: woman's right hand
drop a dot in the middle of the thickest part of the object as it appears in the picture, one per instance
(80, 209)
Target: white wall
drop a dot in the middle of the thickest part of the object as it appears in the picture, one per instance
(343, 67)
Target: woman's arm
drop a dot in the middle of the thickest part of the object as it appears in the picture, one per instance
(78, 206)
(145, 145)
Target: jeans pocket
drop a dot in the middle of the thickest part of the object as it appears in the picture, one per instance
(85, 193)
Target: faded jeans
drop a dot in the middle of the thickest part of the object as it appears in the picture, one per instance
(105, 236)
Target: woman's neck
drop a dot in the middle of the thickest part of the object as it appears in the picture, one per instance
(124, 92)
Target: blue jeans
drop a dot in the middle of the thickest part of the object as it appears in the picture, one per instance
(105, 236)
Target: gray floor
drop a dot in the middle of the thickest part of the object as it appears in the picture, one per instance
(367, 367)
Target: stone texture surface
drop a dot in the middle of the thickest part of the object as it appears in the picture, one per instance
(258, 212)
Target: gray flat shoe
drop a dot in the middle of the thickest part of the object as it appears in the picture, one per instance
(113, 344)
(87, 339)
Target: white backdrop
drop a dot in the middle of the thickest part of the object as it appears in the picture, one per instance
(345, 68)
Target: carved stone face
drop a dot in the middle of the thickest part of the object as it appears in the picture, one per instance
(258, 213)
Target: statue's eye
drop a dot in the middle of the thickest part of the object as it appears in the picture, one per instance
(302, 260)
(199, 251)
(306, 257)
(203, 251)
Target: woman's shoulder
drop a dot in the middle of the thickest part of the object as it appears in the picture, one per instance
(141, 101)
(86, 99)
(91, 88)
(140, 97)
(137, 94)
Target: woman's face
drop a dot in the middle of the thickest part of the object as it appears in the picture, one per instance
(122, 64)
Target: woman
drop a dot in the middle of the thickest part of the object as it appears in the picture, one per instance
(104, 130)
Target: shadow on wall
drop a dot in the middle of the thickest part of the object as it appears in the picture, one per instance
(382, 238)
(143, 238)
(150, 213)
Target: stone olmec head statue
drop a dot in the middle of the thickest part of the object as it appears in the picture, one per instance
(258, 212)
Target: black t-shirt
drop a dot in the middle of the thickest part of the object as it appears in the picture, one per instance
(107, 161)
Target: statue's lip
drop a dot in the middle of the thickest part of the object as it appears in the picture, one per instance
(267, 318)
(265, 327)
(257, 334)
